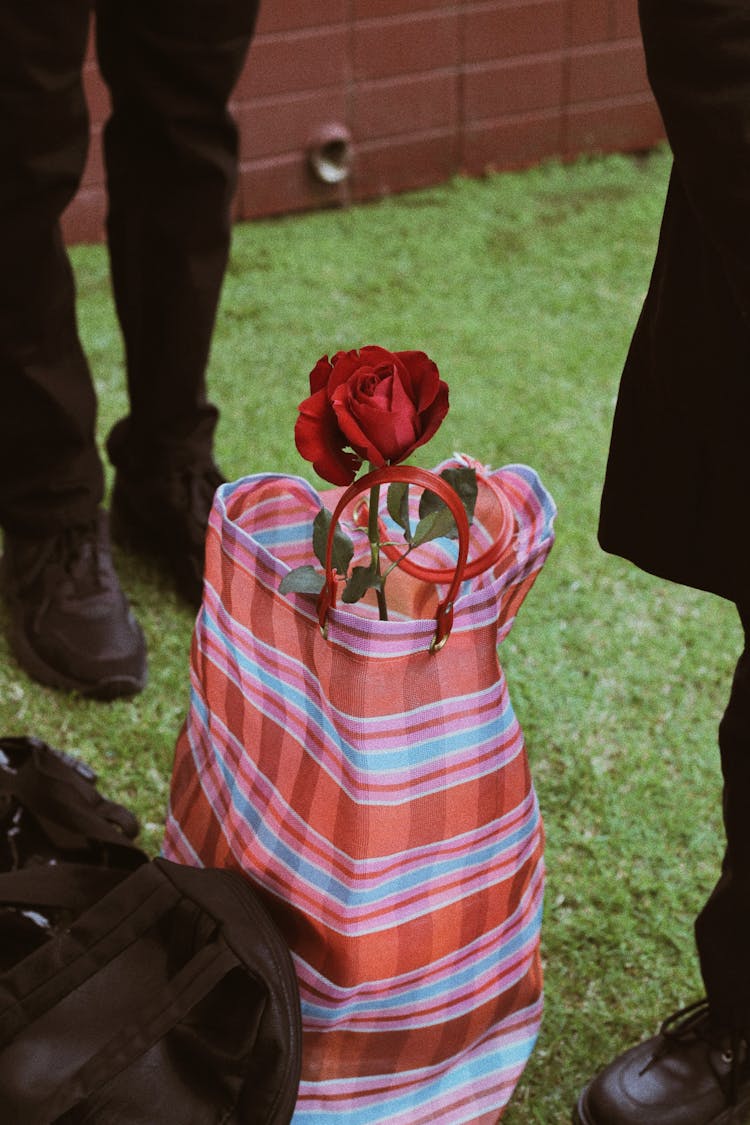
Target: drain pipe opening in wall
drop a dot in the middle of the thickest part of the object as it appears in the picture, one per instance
(329, 154)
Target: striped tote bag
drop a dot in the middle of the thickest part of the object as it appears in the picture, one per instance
(375, 788)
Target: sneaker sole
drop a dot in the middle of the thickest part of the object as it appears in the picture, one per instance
(734, 1115)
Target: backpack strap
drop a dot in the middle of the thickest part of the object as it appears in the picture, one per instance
(40, 980)
(170, 1003)
(68, 886)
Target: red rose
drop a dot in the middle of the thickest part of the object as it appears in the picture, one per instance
(368, 405)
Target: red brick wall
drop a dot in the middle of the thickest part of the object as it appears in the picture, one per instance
(425, 89)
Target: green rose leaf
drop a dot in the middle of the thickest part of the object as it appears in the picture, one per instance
(343, 548)
(363, 578)
(302, 580)
(463, 481)
(435, 525)
(398, 506)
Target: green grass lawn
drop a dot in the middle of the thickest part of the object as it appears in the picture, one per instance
(524, 289)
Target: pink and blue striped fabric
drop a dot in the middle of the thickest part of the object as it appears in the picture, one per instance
(379, 797)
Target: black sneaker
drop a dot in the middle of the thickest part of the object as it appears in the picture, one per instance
(165, 516)
(71, 626)
(691, 1073)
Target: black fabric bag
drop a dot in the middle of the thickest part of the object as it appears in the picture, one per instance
(155, 994)
(52, 814)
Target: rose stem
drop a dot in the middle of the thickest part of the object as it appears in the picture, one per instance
(373, 534)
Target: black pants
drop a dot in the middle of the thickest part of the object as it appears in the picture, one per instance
(723, 927)
(170, 150)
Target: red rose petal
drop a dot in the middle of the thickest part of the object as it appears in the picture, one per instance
(320, 374)
(397, 432)
(423, 377)
(319, 440)
(356, 437)
(432, 418)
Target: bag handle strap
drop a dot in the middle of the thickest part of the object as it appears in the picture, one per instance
(497, 549)
(409, 474)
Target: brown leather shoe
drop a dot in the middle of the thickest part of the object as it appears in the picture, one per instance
(691, 1073)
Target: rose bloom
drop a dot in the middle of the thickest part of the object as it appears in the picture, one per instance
(368, 405)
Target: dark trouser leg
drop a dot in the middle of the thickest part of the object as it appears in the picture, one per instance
(723, 927)
(50, 474)
(171, 157)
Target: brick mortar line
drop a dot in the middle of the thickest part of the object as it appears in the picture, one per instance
(459, 68)
(493, 6)
(317, 31)
(552, 112)
(511, 61)
(426, 15)
(271, 100)
(544, 113)
(614, 101)
(604, 46)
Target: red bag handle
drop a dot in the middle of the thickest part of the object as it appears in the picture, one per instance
(408, 474)
(476, 566)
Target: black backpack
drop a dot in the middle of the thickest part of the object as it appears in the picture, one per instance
(154, 993)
